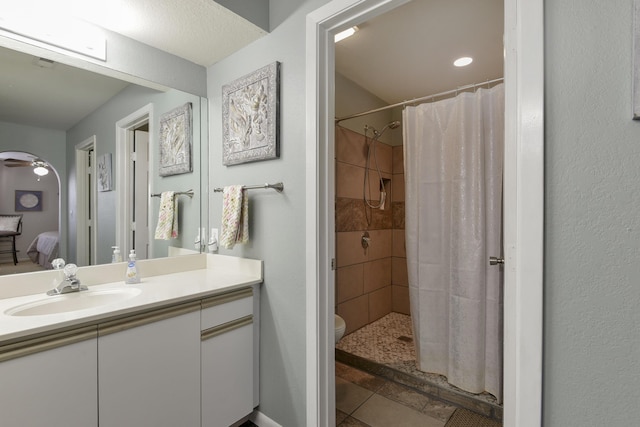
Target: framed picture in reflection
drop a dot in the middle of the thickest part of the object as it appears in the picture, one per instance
(27, 200)
(176, 140)
(104, 172)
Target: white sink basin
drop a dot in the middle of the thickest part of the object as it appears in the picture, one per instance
(72, 302)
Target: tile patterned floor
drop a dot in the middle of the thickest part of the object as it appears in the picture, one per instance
(365, 400)
(385, 348)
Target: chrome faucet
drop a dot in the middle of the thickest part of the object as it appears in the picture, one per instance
(70, 283)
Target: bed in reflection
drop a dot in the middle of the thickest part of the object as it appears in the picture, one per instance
(44, 248)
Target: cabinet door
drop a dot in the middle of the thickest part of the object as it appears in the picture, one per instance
(229, 357)
(54, 387)
(149, 369)
(227, 373)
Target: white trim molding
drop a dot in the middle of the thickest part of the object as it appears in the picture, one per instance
(124, 178)
(524, 196)
(524, 212)
(84, 193)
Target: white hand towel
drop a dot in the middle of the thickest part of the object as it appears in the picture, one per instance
(167, 227)
(235, 216)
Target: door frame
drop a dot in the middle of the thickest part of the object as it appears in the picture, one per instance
(124, 178)
(83, 193)
(523, 196)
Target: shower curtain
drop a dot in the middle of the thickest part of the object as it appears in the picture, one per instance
(453, 203)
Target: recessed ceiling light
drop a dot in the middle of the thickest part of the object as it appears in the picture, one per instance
(346, 33)
(463, 62)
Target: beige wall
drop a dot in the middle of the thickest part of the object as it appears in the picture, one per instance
(371, 282)
(399, 277)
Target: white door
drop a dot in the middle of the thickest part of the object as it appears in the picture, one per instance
(86, 231)
(132, 181)
(140, 201)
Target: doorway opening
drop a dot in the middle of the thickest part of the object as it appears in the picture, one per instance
(523, 199)
(132, 171)
(372, 283)
(30, 189)
(86, 213)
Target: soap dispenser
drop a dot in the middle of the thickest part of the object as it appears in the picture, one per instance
(132, 270)
(116, 255)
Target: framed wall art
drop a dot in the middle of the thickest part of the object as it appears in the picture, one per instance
(27, 200)
(251, 117)
(104, 172)
(175, 141)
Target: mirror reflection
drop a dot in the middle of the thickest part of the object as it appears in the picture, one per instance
(80, 160)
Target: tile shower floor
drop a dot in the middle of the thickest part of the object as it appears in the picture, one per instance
(385, 349)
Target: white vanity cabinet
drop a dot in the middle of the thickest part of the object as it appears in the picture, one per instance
(149, 369)
(228, 350)
(188, 364)
(50, 381)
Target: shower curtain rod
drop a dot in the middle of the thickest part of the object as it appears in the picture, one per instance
(422, 98)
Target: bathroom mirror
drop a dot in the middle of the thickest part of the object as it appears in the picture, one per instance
(115, 204)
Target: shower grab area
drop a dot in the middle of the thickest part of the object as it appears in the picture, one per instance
(425, 316)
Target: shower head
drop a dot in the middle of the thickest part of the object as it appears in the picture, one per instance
(394, 124)
(391, 125)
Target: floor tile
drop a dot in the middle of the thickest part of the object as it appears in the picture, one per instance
(404, 395)
(438, 409)
(352, 422)
(379, 411)
(361, 378)
(350, 396)
(340, 416)
(385, 343)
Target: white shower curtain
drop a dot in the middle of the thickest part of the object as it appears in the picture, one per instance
(453, 203)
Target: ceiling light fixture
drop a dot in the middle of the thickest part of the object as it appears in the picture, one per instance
(344, 34)
(463, 62)
(40, 168)
(51, 27)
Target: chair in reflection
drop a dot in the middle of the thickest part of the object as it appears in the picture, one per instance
(10, 227)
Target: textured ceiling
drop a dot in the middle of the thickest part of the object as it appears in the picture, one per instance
(403, 54)
(53, 98)
(408, 52)
(200, 31)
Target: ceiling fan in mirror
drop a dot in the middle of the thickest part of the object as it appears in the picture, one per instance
(40, 167)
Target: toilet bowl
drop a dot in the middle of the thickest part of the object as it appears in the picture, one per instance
(340, 327)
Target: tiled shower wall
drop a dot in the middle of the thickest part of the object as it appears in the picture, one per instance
(371, 282)
(399, 278)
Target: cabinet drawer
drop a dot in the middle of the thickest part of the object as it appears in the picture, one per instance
(226, 307)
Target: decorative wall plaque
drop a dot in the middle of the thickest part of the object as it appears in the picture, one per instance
(251, 116)
(175, 141)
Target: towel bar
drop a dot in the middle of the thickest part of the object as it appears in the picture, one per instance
(278, 186)
(178, 193)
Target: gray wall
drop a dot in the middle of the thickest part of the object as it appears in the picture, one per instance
(102, 123)
(350, 98)
(592, 224)
(277, 221)
(591, 335)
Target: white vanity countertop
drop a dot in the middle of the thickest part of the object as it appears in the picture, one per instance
(214, 274)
